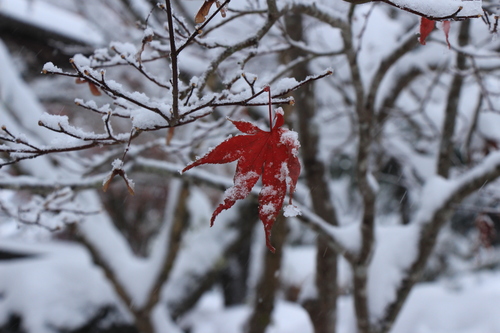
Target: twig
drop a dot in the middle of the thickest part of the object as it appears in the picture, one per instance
(174, 64)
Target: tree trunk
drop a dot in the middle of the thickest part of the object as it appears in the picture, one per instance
(269, 282)
(323, 309)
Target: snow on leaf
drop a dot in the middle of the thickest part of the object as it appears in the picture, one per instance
(118, 170)
(272, 155)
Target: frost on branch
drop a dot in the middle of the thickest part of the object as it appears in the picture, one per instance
(272, 155)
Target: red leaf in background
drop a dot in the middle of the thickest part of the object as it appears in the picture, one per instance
(201, 16)
(426, 27)
(272, 155)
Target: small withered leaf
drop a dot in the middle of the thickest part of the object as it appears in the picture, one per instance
(94, 90)
(222, 10)
(123, 175)
(92, 87)
(203, 12)
(170, 135)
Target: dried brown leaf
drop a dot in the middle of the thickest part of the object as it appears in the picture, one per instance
(203, 12)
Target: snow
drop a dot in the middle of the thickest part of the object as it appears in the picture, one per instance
(372, 181)
(435, 193)
(291, 139)
(146, 119)
(50, 67)
(162, 323)
(127, 49)
(488, 125)
(443, 8)
(198, 174)
(49, 17)
(210, 316)
(421, 164)
(202, 250)
(291, 211)
(284, 85)
(18, 107)
(117, 164)
(373, 43)
(148, 33)
(348, 235)
(54, 121)
(298, 270)
(58, 285)
(136, 274)
(240, 189)
(395, 250)
(462, 305)
(298, 265)
(141, 7)
(267, 210)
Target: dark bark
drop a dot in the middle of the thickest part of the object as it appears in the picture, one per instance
(125, 211)
(103, 321)
(244, 225)
(447, 145)
(142, 315)
(269, 282)
(37, 45)
(234, 276)
(13, 325)
(323, 309)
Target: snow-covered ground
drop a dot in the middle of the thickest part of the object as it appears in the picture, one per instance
(49, 17)
(57, 285)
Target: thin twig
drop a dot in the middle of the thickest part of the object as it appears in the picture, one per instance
(174, 64)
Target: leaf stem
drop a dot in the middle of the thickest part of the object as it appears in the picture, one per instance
(268, 89)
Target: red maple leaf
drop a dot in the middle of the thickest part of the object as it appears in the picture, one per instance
(272, 155)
